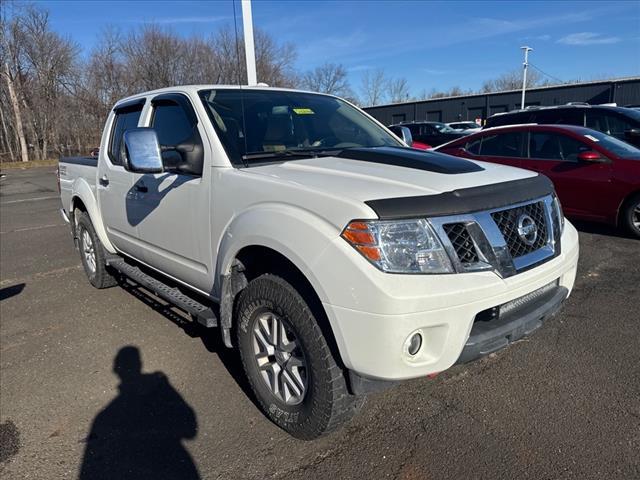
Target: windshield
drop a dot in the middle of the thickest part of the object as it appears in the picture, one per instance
(618, 147)
(441, 127)
(280, 121)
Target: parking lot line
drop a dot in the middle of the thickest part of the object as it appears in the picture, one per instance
(39, 227)
(35, 199)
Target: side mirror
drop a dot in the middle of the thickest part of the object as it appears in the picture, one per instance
(591, 157)
(141, 151)
(405, 135)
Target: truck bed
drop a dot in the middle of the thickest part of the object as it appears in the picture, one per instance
(72, 169)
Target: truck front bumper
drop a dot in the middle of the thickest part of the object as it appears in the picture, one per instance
(459, 317)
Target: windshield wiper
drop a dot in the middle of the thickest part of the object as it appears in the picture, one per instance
(297, 152)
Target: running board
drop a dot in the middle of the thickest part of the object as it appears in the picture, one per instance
(203, 314)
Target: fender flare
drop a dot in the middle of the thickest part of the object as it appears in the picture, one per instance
(307, 237)
(82, 190)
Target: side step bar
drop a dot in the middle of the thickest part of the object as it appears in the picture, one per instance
(203, 314)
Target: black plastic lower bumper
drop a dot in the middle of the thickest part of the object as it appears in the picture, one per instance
(488, 336)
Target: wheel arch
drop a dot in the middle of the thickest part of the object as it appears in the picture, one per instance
(623, 204)
(83, 197)
(250, 262)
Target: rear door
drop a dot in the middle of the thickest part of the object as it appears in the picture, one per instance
(505, 148)
(173, 208)
(114, 182)
(583, 187)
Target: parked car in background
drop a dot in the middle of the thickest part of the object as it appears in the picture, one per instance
(597, 176)
(430, 133)
(620, 122)
(466, 127)
(397, 131)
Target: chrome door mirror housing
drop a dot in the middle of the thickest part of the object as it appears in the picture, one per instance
(406, 136)
(141, 151)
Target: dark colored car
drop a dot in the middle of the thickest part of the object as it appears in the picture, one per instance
(431, 133)
(397, 131)
(620, 122)
(597, 176)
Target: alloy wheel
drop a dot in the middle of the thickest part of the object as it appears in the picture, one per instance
(280, 359)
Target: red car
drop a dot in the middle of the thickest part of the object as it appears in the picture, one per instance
(597, 177)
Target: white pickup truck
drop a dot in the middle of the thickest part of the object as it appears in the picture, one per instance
(335, 258)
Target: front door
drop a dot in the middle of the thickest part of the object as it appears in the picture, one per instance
(583, 187)
(173, 209)
(114, 183)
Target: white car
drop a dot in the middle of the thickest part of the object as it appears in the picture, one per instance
(466, 127)
(337, 260)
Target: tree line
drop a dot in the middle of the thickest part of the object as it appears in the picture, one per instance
(54, 100)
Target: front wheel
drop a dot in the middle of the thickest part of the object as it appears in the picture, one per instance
(631, 215)
(288, 362)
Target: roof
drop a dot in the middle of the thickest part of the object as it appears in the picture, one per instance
(536, 126)
(194, 89)
(558, 107)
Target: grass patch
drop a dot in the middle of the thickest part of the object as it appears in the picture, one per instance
(31, 164)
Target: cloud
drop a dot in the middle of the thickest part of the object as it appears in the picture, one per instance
(588, 38)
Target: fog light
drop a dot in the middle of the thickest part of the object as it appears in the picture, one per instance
(414, 344)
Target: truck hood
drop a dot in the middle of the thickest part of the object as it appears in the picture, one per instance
(362, 178)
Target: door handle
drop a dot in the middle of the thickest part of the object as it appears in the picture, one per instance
(142, 188)
(104, 181)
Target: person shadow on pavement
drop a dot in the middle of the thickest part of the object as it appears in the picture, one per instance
(139, 434)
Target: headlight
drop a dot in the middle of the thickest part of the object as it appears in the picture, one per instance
(558, 206)
(402, 246)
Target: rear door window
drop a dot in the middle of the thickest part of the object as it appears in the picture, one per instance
(126, 119)
(544, 146)
(508, 144)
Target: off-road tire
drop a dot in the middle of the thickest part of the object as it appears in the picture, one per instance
(630, 214)
(326, 404)
(99, 276)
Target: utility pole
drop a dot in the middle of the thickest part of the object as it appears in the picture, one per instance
(524, 71)
(249, 49)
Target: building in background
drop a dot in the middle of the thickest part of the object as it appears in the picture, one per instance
(624, 91)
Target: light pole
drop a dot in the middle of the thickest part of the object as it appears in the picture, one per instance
(524, 72)
(247, 23)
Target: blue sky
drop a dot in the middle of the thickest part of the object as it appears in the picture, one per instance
(432, 44)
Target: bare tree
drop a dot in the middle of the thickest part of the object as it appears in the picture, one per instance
(373, 87)
(399, 90)
(10, 52)
(329, 78)
(511, 81)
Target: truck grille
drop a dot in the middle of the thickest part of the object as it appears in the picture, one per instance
(507, 222)
(462, 242)
(506, 240)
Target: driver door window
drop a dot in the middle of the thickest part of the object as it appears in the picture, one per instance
(173, 126)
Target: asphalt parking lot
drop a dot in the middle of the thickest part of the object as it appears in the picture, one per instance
(564, 403)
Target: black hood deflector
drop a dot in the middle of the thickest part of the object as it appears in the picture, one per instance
(464, 200)
(412, 158)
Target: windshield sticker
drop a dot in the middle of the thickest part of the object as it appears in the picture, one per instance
(303, 111)
(592, 138)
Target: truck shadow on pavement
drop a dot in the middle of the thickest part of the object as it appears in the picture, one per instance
(139, 434)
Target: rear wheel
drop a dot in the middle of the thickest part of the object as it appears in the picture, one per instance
(631, 215)
(92, 253)
(288, 362)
